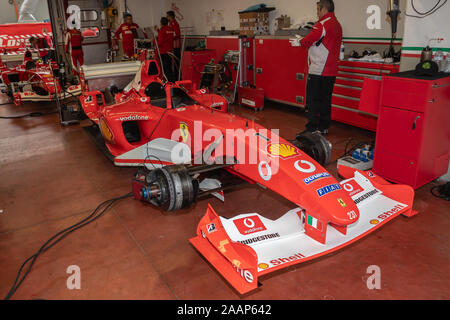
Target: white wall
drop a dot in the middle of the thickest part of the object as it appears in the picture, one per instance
(8, 12)
(146, 13)
(418, 32)
(351, 13)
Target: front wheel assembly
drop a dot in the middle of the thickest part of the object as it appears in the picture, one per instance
(171, 188)
(315, 145)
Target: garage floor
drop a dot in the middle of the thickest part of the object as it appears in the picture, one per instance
(53, 176)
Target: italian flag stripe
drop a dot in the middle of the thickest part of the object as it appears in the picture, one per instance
(312, 221)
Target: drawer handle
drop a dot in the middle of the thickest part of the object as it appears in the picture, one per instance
(415, 122)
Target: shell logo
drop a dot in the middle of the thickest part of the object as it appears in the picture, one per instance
(263, 265)
(282, 150)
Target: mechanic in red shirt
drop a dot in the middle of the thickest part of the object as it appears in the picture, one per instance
(48, 39)
(74, 42)
(173, 24)
(324, 43)
(128, 30)
(40, 44)
(165, 45)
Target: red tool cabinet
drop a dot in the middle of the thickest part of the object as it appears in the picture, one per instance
(281, 70)
(348, 88)
(413, 133)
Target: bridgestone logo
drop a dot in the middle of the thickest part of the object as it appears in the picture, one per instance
(260, 238)
(365, 196)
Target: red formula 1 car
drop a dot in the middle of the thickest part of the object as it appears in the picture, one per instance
(178, 131)
(34, 81)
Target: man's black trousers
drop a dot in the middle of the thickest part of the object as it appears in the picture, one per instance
(319, 90)
(167, 66)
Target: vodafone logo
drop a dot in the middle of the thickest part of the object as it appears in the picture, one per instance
(304, 166)
(352, 187)
(265, 171)
(249, 225)
(133, 118)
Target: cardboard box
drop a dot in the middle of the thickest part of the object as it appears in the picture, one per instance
(254, 23)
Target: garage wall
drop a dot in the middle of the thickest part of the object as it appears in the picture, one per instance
(8, 12)
(418, 32)
(351, 13)
(146, 13)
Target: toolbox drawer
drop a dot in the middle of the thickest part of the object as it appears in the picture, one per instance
(405, 94)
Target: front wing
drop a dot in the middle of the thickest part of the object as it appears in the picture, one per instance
(248, 246)
(20, 97)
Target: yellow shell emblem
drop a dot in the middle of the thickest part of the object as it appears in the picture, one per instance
(263, 265)
(184, 131)
(282, 150)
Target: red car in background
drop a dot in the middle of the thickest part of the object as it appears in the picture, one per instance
(34, 81)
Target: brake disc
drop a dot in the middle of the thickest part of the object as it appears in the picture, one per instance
(315, 145)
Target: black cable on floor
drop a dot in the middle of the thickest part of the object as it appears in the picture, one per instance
(442, 191)
(31, 114)
(97, 213)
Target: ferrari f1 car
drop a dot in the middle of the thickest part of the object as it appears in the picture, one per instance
(139, 130)
(34, 81)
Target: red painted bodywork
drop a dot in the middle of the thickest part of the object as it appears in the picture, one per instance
(162, 122)
(298, 177)
(41, 77)
(232, 258)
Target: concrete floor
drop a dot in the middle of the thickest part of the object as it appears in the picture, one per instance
(53, 176)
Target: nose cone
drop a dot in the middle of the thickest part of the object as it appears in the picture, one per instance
(343, 211)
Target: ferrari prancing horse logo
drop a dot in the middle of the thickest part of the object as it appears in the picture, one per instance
(342, 203)
(184, 131)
